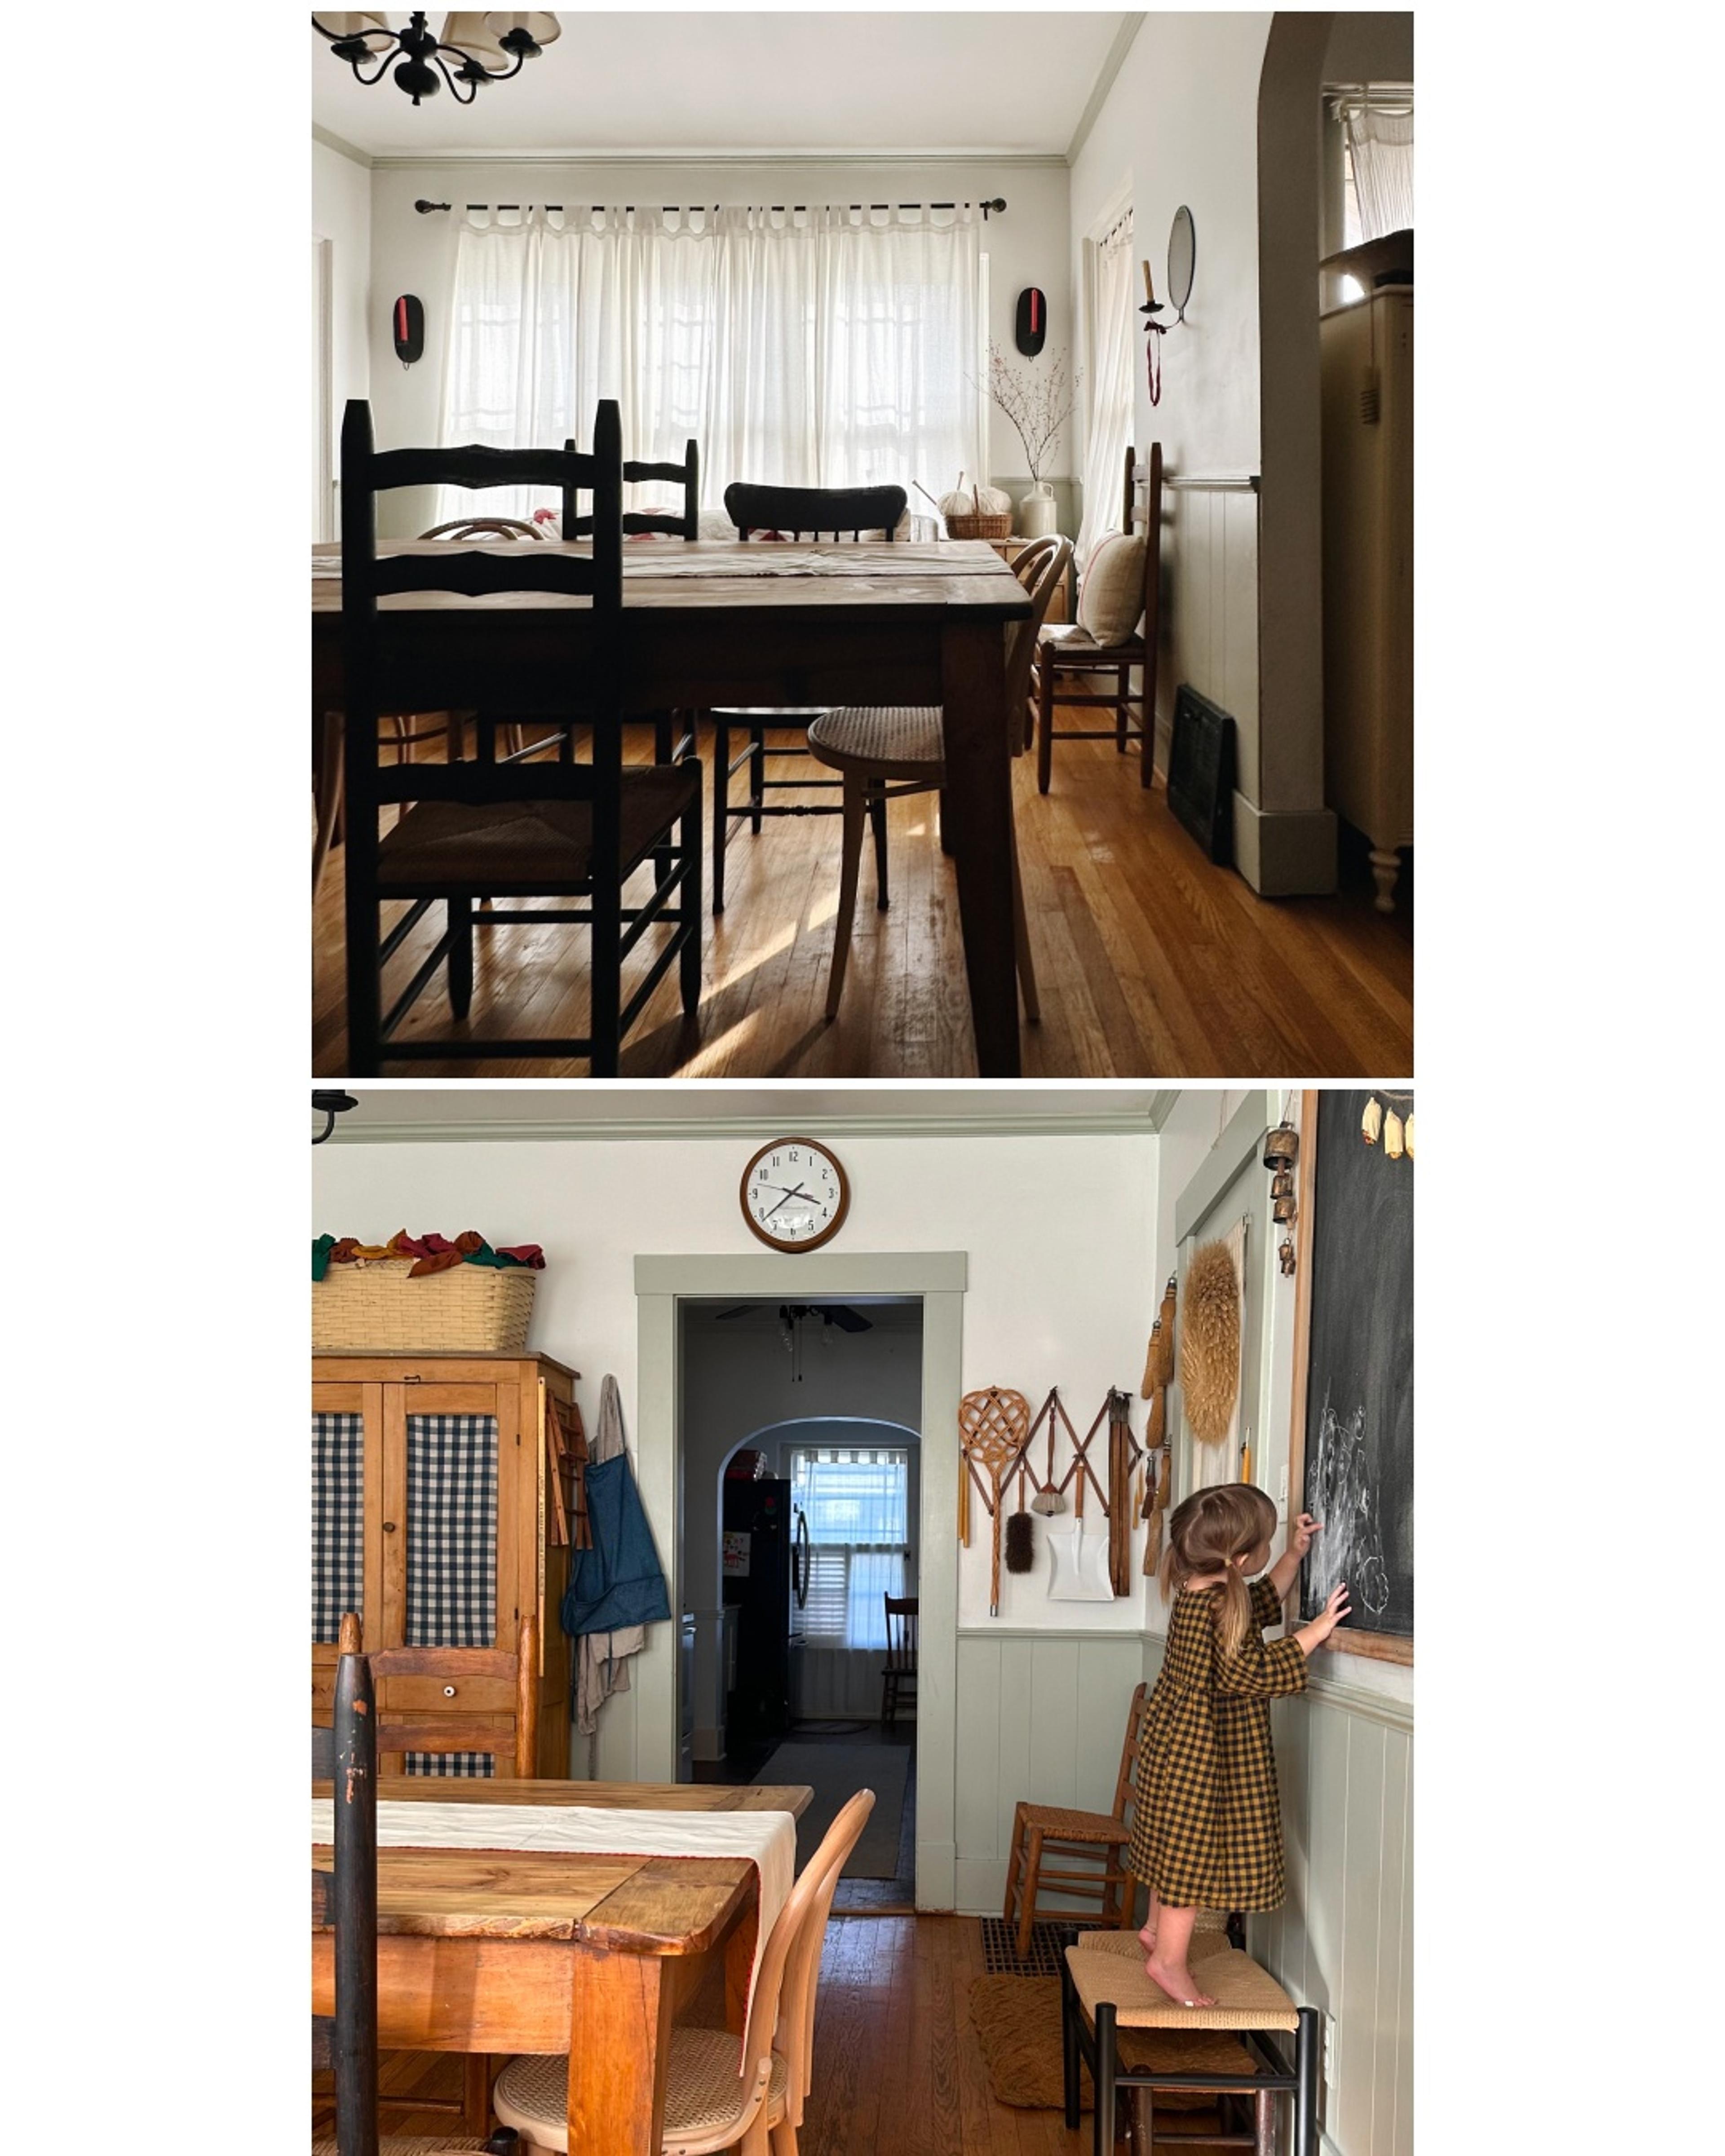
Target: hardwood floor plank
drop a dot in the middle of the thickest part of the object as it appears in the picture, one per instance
(1151, 960)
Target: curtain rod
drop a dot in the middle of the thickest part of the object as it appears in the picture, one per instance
(679, 209)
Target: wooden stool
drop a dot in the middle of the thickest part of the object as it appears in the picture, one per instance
(1096, 1838)
(1104, 1989)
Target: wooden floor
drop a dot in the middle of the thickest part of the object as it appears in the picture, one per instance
(898, 2069)
(1152, 962)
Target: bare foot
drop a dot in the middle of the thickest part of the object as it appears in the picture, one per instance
(1176, 1979)
(1146, 1938)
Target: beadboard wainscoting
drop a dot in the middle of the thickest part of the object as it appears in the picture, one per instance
(1041, 1716)
(1212, 538)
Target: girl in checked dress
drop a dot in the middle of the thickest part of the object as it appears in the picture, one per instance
(1207, 1821)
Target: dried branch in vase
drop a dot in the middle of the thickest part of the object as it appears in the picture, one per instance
(1038, 400)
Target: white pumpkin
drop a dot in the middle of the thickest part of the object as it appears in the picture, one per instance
(985, 502)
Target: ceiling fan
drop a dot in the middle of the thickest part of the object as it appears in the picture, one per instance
(793, 1313)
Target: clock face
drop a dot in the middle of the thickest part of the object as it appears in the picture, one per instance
(794, 1194)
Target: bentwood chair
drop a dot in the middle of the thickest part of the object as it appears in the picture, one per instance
(345, 1900)
(709, 2105)
(497, 826)
(1096, 1841)
(884, 753)
(788, 512)
(898, 1679)
(1075, 653)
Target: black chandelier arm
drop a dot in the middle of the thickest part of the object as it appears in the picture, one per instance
(393, 53)
(436, 57)
(520, 61)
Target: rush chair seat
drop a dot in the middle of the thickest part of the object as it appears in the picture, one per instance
(497, 825)
(709, 2106)
(1096, 1841)
(1069, 654)
(345, 1901)
(793, 512)
(885, 751)
(1104, 1989)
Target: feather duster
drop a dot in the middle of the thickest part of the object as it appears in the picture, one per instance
(1209, 1342)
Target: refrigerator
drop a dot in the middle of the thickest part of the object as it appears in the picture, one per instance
(756, 1577)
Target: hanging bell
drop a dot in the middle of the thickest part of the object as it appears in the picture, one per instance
(1282, 1183)
(1282, 1210)
(1392, 1136)
(1408, 1134)
(1285, 1252)
(1282, 1148)
(1371, 1121)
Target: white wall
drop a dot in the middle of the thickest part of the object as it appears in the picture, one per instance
(1027, 245)
(1058, 1232)
(342, 214)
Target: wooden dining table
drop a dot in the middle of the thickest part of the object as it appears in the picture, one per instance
(504, 1950)
(718, 624)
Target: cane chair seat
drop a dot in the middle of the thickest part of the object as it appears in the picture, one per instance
(707, 2100)
(890, 741)
(518, 848)
(1058, 1823)
(1109, 1965)
(410, 2145)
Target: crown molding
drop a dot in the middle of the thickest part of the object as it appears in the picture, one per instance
(341, 149)
(854, 1124)
(1122, 44)
(567, 160)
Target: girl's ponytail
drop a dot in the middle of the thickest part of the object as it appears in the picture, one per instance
(1234, 1620)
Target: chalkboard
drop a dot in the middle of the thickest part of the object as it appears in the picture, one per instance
(1358, 1407)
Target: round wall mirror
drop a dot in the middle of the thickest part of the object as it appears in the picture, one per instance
(1182, 255)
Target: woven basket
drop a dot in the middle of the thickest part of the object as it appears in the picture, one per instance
(980, 528)
(372, 1307)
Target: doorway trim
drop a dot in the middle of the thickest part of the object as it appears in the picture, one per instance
(939, 1278)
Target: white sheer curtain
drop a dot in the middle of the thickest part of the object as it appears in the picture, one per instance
(828, 350)
(1380, 149)
(1109, 321)
(857, 1504)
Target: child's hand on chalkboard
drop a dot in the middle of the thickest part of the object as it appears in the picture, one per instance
(1314, 1633)
(1300, 1532)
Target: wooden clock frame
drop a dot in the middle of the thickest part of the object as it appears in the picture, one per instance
(795, 1250)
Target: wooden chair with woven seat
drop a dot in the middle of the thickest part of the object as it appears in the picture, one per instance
(792, 512)
(491, 826)
(898, 1679)
(709, 2105)
(886, 751)
(345, 1900)
(1072, 652)
(1097, 1839)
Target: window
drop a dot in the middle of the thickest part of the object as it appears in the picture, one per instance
(857, 1501)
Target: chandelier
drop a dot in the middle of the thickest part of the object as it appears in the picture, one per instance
(482, 49)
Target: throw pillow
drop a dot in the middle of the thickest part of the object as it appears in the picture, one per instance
(1111, 602)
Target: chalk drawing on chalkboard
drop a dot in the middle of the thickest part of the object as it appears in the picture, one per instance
(1343, 1497)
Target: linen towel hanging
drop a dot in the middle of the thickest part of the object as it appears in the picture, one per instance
(616, 1588)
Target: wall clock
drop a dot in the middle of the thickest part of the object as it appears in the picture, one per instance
(794, 1194)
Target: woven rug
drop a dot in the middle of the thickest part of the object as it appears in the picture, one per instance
(835, 1772)
(1017, 2020)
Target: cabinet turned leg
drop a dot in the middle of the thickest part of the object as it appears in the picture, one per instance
(1386, 867)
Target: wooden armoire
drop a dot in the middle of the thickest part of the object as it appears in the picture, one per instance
(440, 1514)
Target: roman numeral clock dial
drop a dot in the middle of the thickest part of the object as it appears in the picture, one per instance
(795, 1194)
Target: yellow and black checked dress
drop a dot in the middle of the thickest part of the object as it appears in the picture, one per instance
(1207, 1821)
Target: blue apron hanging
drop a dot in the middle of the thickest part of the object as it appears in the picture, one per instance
(618, 1581)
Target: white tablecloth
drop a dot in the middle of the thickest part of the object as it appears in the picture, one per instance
(765, 1840)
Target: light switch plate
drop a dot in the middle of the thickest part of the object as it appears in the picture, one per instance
(1333, 2054)
(1284, 1484)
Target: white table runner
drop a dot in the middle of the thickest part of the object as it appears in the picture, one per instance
(765, 1840)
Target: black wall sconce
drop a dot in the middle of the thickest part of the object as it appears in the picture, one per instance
(329, 1106)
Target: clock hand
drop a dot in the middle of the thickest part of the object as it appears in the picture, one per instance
(798, 1191)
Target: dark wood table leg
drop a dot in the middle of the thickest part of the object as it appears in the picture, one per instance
(979, 800)
(619, 2053)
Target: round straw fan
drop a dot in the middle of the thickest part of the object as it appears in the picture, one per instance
(1209, 1342)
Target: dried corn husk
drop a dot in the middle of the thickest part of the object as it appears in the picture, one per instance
(1393, 1136)
(1371, 1121)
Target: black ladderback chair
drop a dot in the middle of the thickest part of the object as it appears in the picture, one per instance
(682, 525)
(495, 825)
(792, 512)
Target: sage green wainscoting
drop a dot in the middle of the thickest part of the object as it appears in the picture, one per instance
(1041, 1716)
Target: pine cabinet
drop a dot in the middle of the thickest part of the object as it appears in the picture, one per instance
(434, 1517)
